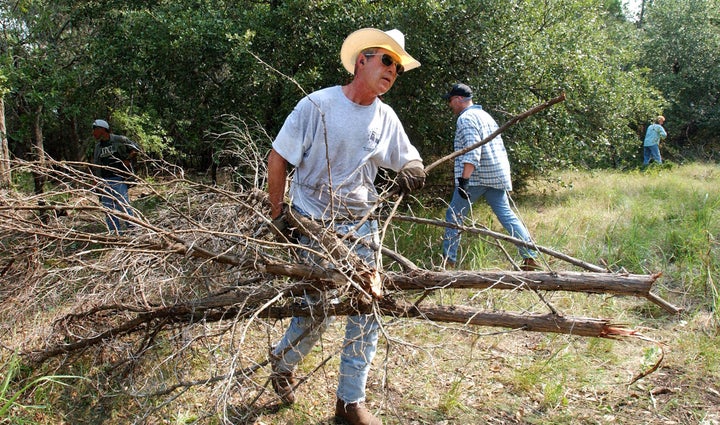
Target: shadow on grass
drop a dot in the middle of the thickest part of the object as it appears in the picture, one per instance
(251, 414)
(248, 414)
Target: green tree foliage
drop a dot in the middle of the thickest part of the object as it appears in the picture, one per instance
(681, 46)
(45, 54)
(518, 54)
(166, 62)
(168, 73)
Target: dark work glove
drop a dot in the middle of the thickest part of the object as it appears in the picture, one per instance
(463, 188)
(282, 230)
(411, 177)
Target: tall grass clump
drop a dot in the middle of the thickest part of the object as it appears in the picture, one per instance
(660, 220)
(14, 389)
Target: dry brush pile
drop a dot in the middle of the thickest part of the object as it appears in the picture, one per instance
(190, 298)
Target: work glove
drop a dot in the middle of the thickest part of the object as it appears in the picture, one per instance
(281, 228)
(411, 176)
(463, 188)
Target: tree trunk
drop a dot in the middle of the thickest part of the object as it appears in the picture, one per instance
(242, 304)
(38, 152)
(593, 283)
(5, 176)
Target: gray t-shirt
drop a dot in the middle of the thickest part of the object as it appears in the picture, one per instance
(337, 147)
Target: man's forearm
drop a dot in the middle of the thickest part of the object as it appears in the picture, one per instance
(467, 170)
(277, 174)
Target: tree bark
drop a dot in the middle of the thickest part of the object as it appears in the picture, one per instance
(323, 279)
(593, 283)
(610, 283)
(553, 323)
(242, 304)
(5, 176)
(38, 152)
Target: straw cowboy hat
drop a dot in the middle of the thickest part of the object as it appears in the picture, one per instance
(392, 40)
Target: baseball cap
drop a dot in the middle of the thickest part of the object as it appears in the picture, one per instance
(458, 89)
(101, 123)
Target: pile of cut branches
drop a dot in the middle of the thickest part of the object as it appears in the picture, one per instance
(201, 275)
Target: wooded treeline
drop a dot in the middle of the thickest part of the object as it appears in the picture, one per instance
(166, 72)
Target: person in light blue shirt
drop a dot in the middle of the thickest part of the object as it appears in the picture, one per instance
(484, 171)
(651, 146)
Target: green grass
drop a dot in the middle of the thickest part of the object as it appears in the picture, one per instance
(16, 386)
(663, 219)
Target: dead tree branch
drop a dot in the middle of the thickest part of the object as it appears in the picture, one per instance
(203, 274)
(240, 303)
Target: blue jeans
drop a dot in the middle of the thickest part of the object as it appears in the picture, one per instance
(114, 196)
(651, 152)
(361, 331)
(498, 200)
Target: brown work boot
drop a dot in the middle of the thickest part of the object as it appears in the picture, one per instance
(530, 264)
(284, 384)
(354, 414)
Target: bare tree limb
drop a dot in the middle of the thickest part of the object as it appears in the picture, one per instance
(238, 305)
(592, 283)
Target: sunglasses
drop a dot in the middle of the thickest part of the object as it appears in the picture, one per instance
(388, 60)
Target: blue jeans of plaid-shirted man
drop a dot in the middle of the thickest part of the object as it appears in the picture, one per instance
(498, 200)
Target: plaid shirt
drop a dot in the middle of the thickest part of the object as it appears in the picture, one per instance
(492, 167)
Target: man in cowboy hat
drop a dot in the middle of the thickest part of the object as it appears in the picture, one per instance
(337, 138)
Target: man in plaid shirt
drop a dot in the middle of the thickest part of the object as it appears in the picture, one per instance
(484, 171)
